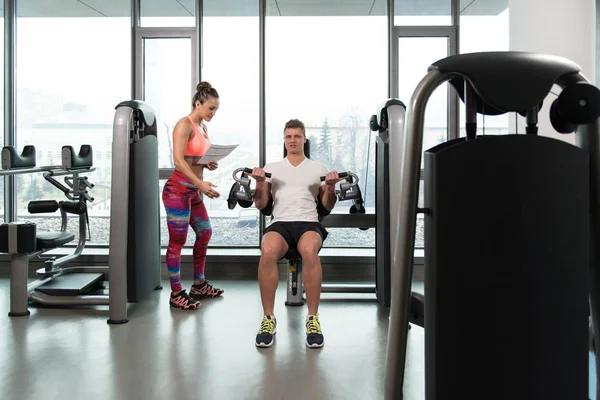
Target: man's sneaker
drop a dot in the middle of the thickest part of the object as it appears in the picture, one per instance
(184, 301)
(267, 330)
(314, 335)
(204, 290)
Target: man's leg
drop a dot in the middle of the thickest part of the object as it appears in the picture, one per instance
(308, 246)
(274, 247)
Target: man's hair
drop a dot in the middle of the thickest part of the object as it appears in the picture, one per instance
(294, 123)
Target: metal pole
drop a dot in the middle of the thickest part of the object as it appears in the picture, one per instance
(453, 99)
(405, 166)
(262, 148)
(199, 36)
(10, 102)
(119, 219)
(392, 53)
(135, 22)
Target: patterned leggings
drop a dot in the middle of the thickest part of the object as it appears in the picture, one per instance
(185, 207)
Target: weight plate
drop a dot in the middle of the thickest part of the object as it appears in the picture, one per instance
(231, 200)
(579, 103)
(245, 203)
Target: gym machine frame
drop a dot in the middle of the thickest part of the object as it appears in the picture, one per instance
(242, 194)
(489, 83)
(134, 256)
(21, 243)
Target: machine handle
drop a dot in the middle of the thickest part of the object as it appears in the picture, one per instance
(341, 175)
(249, 171)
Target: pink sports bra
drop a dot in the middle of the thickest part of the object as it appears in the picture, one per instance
(199, 144)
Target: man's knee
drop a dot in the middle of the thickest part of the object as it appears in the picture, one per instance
(309, 246)
(273, 247)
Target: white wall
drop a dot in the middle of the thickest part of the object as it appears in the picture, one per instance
(558, 27)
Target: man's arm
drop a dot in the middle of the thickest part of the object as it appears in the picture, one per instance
(327, 190)
(262, 193)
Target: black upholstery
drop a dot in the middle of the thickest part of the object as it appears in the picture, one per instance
(51, 240)
(292, 254)
(507, 81)
(84, 159)
(15, 160)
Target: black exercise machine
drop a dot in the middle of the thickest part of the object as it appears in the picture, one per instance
(511, 229)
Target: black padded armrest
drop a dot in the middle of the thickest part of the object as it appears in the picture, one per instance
(13, 160)
(321, 210)
(268, 209)
(71, 160)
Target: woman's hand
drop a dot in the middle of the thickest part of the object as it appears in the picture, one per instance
(212, 165)
(207, 189)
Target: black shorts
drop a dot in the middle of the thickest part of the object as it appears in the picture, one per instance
(292, 231)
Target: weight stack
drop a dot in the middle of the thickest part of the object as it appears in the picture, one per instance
(506, 269)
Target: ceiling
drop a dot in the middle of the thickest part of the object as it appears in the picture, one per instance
(186, 8)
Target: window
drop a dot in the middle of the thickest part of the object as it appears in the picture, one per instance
(162, 13)
(86, 61)
(485, 29)
(423, 13)
(231, 65)
(167, 87)
(317, 72)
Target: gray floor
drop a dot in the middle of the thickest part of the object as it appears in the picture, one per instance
(207, 354)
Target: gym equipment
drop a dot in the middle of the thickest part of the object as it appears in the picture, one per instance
(240, 192)
(295, 288)
(135, 224)
(389, 120)
(134, 255)
(24, 242)
(508, 224)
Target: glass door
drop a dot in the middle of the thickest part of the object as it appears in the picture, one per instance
(168, 82)
(414, 50)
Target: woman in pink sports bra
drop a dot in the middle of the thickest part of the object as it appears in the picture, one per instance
(184, 203)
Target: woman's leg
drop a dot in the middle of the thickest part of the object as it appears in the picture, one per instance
(200, 223)
(177, 206)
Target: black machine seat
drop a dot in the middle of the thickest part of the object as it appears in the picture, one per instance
(51, 240)
(11, 159)
(292, 254)
(71, 159)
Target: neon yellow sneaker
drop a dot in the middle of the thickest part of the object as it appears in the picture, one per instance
(267, 331)
(314, 335)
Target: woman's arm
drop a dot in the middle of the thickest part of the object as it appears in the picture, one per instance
(181, 136)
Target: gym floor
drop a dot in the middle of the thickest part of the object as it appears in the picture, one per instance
(163, 353)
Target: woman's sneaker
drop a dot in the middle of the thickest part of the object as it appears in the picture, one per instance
(314, 335)
(184, 301)
(204, 290)
(267, 330)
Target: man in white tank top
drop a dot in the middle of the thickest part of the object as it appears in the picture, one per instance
(294, 186)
